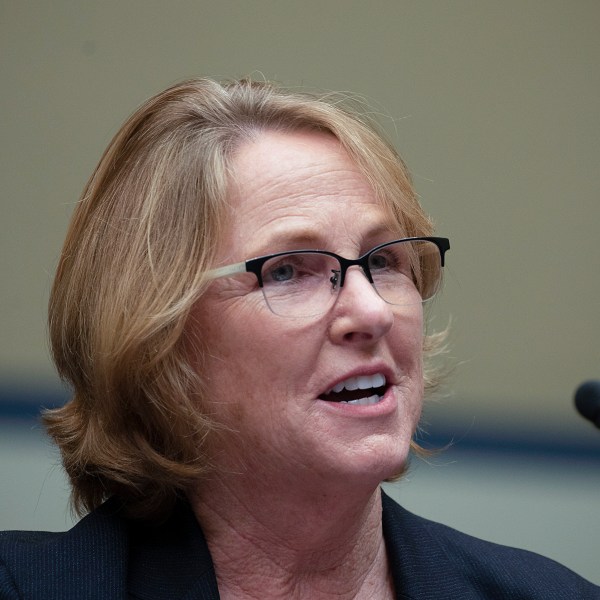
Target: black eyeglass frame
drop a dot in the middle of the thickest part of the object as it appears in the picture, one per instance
(254, 265)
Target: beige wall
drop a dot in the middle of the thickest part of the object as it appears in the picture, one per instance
(495, 108)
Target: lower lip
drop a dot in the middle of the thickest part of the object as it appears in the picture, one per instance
(385, 406)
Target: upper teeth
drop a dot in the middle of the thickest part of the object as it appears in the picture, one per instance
(362, 382)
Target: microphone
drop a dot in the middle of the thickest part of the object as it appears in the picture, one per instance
(587, 401)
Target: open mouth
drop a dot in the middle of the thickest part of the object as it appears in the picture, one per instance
(362, 390)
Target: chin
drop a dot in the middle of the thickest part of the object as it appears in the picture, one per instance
(373, 468)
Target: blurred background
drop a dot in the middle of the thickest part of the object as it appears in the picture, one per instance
(494, 106)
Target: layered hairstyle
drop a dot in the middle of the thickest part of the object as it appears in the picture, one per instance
(141, 239)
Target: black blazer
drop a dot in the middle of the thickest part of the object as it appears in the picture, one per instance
(107, 556)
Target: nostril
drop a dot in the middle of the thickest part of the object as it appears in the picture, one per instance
(358, 336)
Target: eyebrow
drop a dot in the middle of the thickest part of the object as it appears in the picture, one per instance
(289, 240)
(305, 238)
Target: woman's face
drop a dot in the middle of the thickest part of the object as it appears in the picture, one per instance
(266, 375)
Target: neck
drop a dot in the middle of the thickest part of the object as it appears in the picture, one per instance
(284, 542)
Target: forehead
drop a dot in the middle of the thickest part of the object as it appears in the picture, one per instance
(289, 186)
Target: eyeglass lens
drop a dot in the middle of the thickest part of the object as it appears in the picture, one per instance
(306, 284)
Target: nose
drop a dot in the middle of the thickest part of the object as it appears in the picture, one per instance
(360, 315)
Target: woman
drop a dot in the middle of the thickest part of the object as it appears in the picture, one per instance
(239, 309)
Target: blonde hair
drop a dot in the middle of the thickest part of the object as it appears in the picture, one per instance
(141, 238)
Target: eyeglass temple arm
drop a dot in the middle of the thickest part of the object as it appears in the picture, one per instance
(226, 271)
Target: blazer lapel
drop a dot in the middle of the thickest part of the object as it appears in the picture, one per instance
(171, 561)
(420, 567)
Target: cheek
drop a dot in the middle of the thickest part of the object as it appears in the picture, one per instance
(408, 334)
(243, 361)
(407, 347)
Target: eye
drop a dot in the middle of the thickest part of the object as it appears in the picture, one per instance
(388, 259)
(379, 261)
(295, 269)
(393, 259)
(289, 268)
(281, 273)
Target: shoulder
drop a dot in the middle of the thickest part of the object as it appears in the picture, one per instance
(431, 557)
(107, 555)
(89, 559)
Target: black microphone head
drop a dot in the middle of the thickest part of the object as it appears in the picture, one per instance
(587, 401)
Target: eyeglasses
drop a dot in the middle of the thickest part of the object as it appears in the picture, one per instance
(305, 283)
